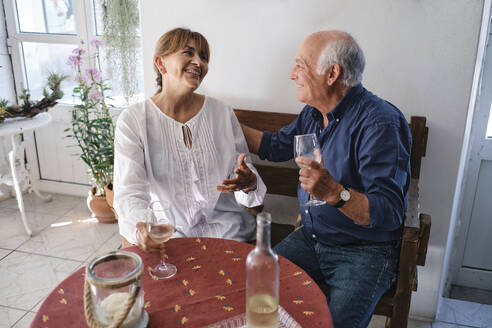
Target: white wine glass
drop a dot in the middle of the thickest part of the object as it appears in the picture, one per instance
(161, 227)
(306, 145)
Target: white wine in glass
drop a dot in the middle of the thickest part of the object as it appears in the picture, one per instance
(161, 232)
(306, 145)
(161, 228)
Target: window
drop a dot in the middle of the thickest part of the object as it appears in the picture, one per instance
(42, 35)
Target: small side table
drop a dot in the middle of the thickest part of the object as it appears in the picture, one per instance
(18, 172)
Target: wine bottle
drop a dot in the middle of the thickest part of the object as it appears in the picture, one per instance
(262, 279)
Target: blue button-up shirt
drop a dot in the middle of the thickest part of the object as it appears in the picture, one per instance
(366, 147)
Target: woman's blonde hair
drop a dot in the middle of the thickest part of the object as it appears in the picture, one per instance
(175, 40)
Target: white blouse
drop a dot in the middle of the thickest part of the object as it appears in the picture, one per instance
(152, 163)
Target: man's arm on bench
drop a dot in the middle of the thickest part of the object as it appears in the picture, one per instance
(253, 138)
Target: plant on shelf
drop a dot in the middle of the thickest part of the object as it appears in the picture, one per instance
(121, 20)
(92, 125)
(31, 108)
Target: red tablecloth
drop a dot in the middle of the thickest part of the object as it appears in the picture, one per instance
(209, 287)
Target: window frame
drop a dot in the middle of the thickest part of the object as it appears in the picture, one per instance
(84, 12)
(85, 31)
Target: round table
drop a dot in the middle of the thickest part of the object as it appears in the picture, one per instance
(19, 175)
(208, 288)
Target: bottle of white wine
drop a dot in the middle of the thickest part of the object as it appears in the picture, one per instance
(262, 279)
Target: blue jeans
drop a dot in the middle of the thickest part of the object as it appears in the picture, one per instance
(358, 275)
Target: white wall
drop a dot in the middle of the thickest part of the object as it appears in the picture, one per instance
(420, 56)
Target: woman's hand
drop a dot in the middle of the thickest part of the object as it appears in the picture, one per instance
(144, 242)
(245, 179)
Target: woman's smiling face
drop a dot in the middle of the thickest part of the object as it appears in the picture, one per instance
(185, 68)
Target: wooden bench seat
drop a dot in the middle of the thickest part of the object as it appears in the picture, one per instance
(394, 304)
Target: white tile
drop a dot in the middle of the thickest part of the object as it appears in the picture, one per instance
(35, 309)
(417, 324)
(13, 234)
(59, 205)
(4, 252)
(440, 324)
(111, 245)
(484, 316)
(28, 278)
(377, 321)
(71, 238)
(25, 322)
(459, 312)
(9, 316)
(74, 236)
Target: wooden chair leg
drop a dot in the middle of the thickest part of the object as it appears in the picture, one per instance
(399, 318)
(388, 323)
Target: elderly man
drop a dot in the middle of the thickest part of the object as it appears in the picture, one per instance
(352, 242)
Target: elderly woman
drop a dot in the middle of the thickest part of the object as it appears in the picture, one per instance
(186, 150)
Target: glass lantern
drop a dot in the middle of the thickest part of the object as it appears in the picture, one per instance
(113, 294)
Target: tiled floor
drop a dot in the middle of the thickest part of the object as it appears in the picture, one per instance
(66, 238)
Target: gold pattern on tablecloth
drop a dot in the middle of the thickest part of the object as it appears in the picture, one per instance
(298, 301)
(220, 297)
(63, 301)
(228, 308)
(196, 268)
(308, 312)
(229, 251)
(61, 291)
(190, 259)
(307, 283)
(147, 305)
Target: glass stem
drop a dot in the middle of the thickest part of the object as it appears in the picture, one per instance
(163, 259)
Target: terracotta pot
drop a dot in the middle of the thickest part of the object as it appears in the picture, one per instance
(109, 198)
(100, 208)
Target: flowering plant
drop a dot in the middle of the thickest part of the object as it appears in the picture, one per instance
(92, 125)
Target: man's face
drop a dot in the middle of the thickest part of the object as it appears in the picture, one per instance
(310, 85)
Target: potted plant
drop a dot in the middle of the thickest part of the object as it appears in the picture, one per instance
(93, 130)
(31, 108)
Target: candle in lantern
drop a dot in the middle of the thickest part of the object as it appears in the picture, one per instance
(112, 305)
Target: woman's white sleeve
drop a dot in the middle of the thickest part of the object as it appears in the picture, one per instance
(255, 197)
(131, 185)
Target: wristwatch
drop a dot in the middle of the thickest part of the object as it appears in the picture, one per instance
(344, 197)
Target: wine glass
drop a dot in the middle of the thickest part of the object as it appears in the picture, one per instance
(306, 145)
(161, 227)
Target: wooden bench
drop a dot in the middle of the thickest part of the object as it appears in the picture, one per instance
(394, 304)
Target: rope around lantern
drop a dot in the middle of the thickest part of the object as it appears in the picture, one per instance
(123, 313)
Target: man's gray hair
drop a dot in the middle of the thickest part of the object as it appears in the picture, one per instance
(346, 53)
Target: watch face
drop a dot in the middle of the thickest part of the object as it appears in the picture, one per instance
(345, 195)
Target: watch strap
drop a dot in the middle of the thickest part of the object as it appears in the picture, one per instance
(341, 202)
